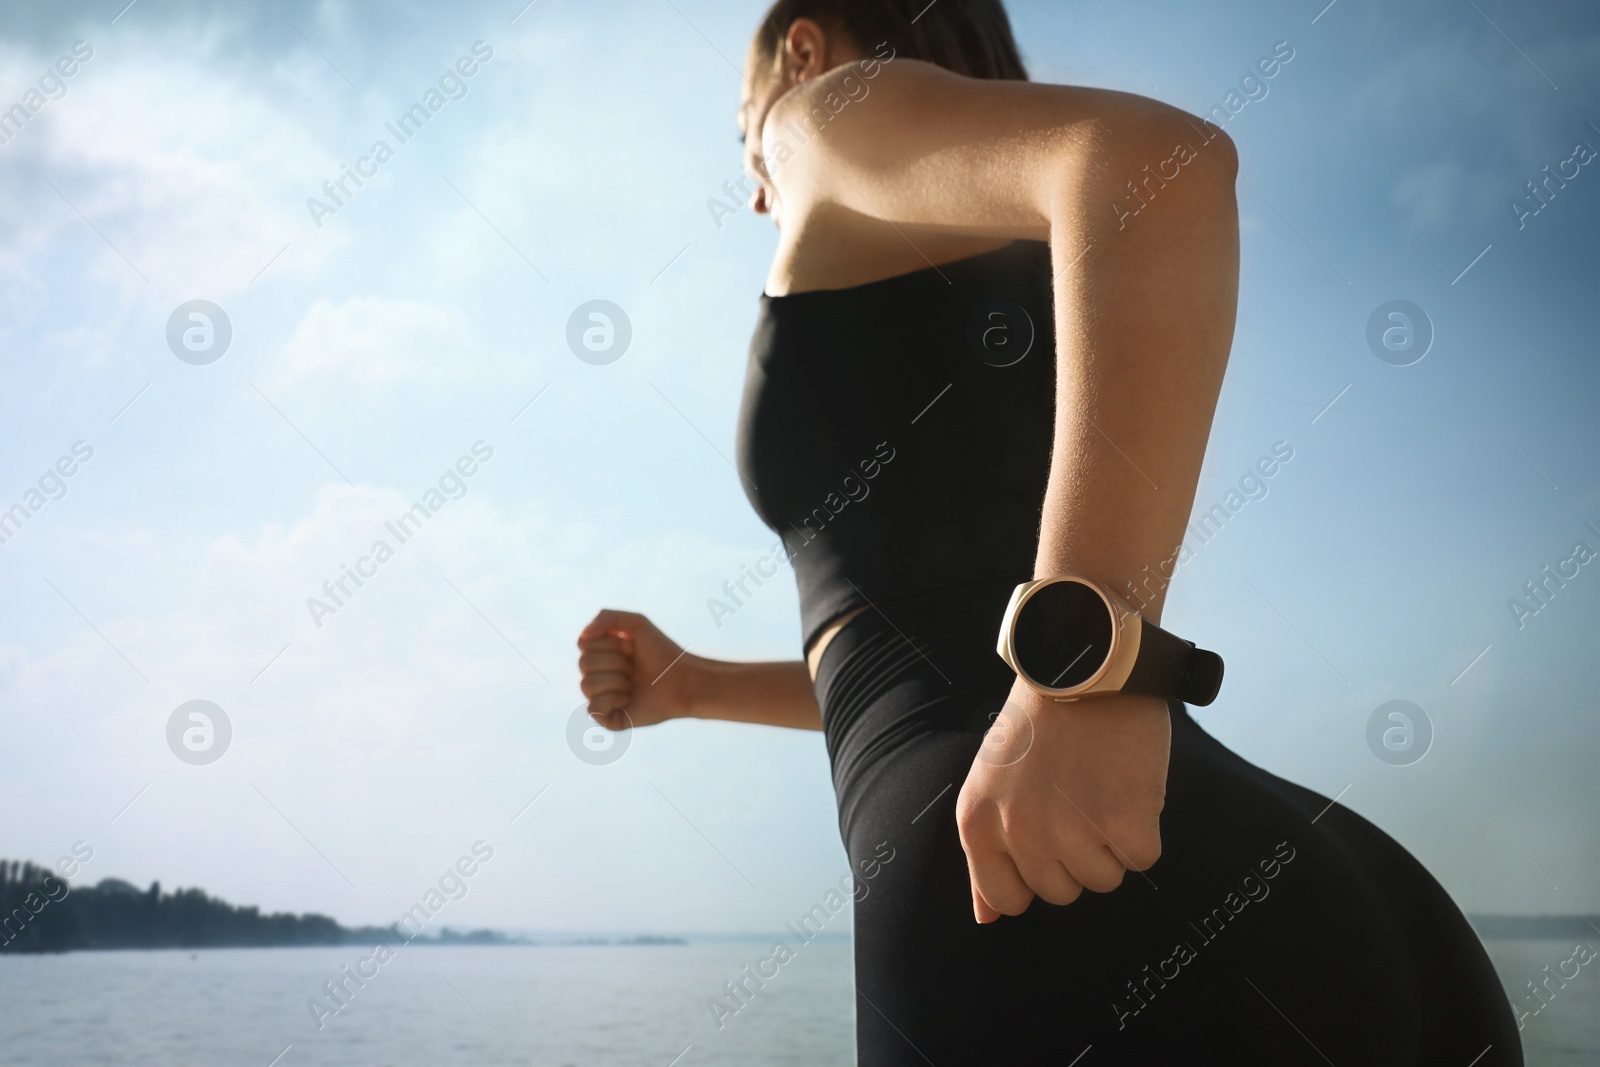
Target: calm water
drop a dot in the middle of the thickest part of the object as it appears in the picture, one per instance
(581, 1005)
(600, 1005)
(1566, 1033)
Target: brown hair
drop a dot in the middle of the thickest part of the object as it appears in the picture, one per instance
(971, 37)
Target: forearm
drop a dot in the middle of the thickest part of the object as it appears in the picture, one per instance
(1144, 324)
(771, 694)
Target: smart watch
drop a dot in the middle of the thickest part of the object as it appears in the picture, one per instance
(1069, 637)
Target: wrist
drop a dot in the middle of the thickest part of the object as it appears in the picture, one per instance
(1048, 718)
(694, 687)
(1071, 636)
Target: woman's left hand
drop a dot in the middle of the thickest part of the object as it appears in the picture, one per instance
(1063, 797)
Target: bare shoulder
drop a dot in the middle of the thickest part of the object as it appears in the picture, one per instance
(952, 162)
(908, 88)
(917, 121)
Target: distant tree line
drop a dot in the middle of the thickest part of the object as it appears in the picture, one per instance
(41, 912)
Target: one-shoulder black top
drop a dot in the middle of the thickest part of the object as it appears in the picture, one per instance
(897, 434)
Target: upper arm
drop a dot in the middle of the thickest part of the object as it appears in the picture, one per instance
(919, 145)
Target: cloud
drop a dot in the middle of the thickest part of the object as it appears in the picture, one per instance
(1439, 194)
(1469, 100)
(192, 187)
(376, 341)
(134, 192)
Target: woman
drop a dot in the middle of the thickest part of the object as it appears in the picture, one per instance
(974, 366)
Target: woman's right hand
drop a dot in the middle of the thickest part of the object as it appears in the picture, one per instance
(631, 672)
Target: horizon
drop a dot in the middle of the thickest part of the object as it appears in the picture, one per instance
(1477, 918)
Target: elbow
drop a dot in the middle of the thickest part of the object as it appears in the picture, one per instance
(1189, 143)
(1221, 154)
(1158, 154)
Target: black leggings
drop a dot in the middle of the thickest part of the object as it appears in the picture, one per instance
(1260, 937)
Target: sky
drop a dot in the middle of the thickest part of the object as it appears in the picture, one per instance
(383, 344)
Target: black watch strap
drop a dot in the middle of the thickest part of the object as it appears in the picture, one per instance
(1168, 666)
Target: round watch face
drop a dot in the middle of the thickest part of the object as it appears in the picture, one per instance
(1062, 635)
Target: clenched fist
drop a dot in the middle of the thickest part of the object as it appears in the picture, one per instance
(1063, 797)
(624, 659)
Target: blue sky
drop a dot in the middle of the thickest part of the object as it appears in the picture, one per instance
(371, 352)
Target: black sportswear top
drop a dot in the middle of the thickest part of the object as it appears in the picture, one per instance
(897, 434)
(900, 463)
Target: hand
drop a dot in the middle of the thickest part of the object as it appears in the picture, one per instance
(1062, 798)
(624, 660)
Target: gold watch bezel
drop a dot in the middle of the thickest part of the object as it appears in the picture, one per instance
(1126, 630)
